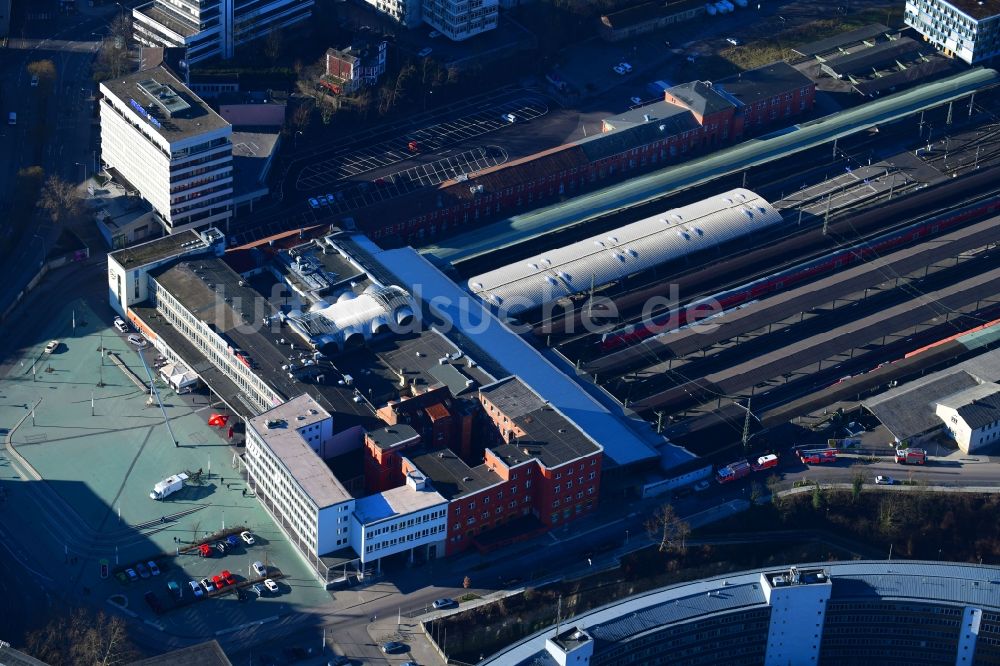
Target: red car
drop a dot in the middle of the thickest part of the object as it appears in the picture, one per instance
(204, 550)
(229, 578)
(218, 582)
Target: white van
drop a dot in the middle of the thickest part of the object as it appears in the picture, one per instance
(12, 118)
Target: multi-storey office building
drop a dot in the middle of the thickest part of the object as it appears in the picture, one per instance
(214, 28)
(460, 19)
(880, 612)
(966, 29)
(160, 140)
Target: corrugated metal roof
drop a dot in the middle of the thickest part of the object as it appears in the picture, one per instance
(631, 249)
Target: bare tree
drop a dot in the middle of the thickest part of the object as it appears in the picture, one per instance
(45, 70)
(82, 637)
(61, 200)
(273, 45)
(669, 528)
(301, 117)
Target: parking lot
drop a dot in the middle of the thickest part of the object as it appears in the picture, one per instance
(402, 182)
(88, 449)
(486, 118)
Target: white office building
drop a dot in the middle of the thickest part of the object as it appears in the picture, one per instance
(966, 29)
(460, 19)
(972, 416)
(286, 472)
(160, 140)
(401, 520)
(213, 28)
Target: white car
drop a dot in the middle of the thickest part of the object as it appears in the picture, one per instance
(247, 538)
(637, 101)
(434, 34)
(627, 67)
(52, 346)
(884, 481)
(424, 52)
(733, 41)
(259, 568)
(196, 588)
(619, 69)
(207, 584)
(270, 585)
(313, 203)
(121, 325)
(137, 340)
(702, 485)
(509, 118)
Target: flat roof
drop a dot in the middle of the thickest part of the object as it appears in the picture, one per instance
(216, 294)
(452, 476)
(277, 427)
(822, 46)
(478, 329)
(159, 249)
(763, 82)
(977, 9)
(252, 151)
(159, 15)
(549, 435)
(195, 118)
(398, 501)
(390, 436)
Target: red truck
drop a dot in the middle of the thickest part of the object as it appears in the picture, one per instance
(911, 456)
(765, 462)
(818, 456)
(733, 471)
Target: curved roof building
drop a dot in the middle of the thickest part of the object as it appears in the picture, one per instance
(636, 247)
(874, 612)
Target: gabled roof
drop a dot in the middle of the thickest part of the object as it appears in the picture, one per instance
(978, 405)
(701, 97)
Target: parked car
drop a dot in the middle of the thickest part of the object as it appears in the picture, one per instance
(204, 550)
(619, 69)
(258, 589)
(434, 34)
(392, 647)
(143, 571)
(733, 41)
(338, 660)
(52, 346)
(444, 603)
(121, 325)
(153, 602)
(259, 568)
(691, 58)
(627, 67)
(247, 538)
(232, 540)
(702, 485)
(218, 582)
(270, 585)
(330, 199)
(175, 589)
(509, 118)
(206, 584)
(153, 569)
(228, 577)
(131, 575)
(34, 81)
(196, 588)
(313, 203)
(221, 547)
(884, 481)
(636, 100)
(424, 52)
(137, 340)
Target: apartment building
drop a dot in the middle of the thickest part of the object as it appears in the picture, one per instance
(163, 142)
(214, 28)
(965, 29)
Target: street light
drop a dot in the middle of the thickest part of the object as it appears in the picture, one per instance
(83, 165)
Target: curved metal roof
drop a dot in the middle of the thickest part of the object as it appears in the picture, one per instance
(631, 249)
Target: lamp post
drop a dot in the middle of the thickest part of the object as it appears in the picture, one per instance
(82, 165)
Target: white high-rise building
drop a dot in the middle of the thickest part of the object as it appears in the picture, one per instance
(210, 28)
(966, 29)
(160, 140)
(461, 19)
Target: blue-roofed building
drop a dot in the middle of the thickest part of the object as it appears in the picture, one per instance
(830, 614)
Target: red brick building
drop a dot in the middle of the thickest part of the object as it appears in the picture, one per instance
(695, 118)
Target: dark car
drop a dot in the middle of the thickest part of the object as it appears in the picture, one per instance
(153, 602)
(221, 547)
(392, 647)
(233, 540)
